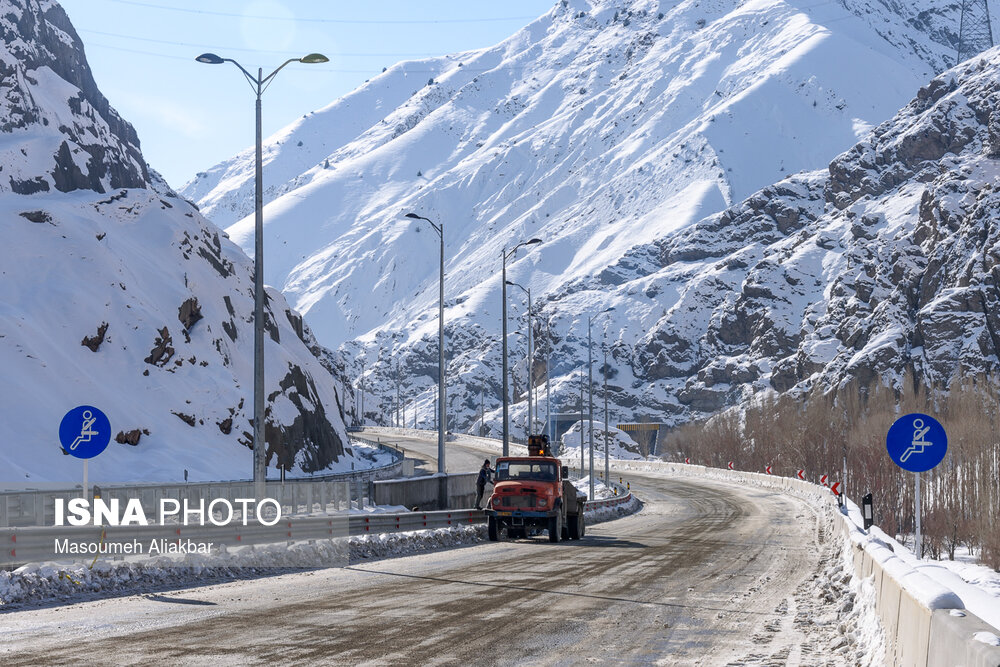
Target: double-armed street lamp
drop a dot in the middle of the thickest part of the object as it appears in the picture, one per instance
(504, 256)
(259, 84)
(441, 416)
(531, 421)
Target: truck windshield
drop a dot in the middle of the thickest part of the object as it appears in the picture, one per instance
(541, 471)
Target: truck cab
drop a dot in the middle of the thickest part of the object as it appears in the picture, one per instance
(532, 494)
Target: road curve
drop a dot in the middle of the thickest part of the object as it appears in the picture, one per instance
(705, 574)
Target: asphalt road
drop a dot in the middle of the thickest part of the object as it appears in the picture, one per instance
(423, 451)
(705, 574)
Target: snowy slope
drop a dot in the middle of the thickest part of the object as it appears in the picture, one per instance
(601, 128)
(119, 294)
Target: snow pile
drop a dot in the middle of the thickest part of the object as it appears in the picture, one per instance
(601, 492)
(602, 514)
(391, 545)
(620, 445)
(865, 627)
(986, 638)
(53, 581)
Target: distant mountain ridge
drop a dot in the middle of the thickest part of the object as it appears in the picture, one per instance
(640, 140)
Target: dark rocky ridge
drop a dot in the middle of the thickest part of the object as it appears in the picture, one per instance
(37, 36)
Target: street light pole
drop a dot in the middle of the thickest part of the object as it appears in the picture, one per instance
(548, 417)
(590, 390)
(259, 84)
(590, 408)
(504, 256)
(607, 427)
(581, 434)
(503, 370)
(531, 421)
(441, 405)
(361, 383)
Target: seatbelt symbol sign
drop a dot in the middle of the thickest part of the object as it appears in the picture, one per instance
(85, 433)
(918, 444)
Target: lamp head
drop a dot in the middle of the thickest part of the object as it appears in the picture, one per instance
(314, 58)
(210, 59)
(532, 241)
(414, 216)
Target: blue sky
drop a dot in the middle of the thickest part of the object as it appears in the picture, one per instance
(190, 116)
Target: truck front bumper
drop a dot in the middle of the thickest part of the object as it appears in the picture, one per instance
(521, 514)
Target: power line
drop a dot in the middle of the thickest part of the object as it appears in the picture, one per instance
(312, 68)
(239, 48)
(191, 58)
(207, 12)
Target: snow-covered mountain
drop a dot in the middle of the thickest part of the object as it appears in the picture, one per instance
(607, 128)
(117, 293)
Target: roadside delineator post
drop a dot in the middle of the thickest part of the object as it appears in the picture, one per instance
(866, 511)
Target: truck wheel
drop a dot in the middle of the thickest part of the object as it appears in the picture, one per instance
(491, 528)
(574, 526)
(555, 528)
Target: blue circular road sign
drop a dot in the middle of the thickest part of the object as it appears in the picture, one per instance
(916, 442)
(85, 432)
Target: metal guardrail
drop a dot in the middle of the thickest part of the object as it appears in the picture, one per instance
(34, 544)
(37, 507)
(20, 545)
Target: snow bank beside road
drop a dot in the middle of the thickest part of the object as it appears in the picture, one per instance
(48, 582)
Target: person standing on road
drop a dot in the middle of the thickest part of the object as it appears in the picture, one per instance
(485, 476)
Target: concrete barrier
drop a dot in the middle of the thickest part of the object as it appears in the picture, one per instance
(423, 492)
(953, 640)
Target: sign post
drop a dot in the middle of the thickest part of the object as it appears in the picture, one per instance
(84, 432)
(916, 442)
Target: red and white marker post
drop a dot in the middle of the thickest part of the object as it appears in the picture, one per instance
(767, 469)
(836, 489)
(688, 461)
(801, 474)
(730, 465)
(824, 479)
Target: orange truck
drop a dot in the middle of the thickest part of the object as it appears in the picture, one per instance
(532, 494)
